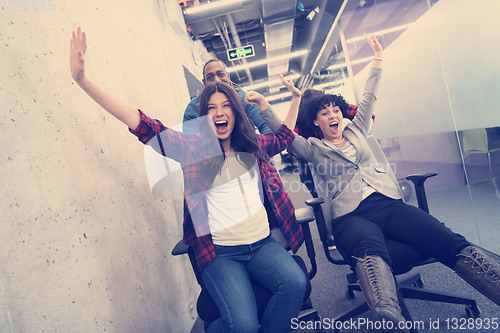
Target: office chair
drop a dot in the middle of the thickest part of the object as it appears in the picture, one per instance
(164, 175)
(288, 162)
(205, 306)
(475, 141)
(403, 256)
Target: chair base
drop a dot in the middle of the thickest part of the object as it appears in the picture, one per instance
(411, 288)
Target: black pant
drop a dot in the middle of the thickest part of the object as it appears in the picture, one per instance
(363, 231)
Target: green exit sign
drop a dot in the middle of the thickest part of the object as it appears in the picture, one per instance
(241, 52)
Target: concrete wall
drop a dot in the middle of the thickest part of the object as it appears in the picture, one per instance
(84, 246)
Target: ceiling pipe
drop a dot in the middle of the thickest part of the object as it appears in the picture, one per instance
(271, 83)
(217, 46)
(278, 18)
(237, 42)
(280, 58)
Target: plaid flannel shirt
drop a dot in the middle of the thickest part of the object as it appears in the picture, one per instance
(278, 205)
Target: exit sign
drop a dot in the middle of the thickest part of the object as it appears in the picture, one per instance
(241, 52)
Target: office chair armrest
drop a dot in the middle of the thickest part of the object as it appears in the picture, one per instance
(418, 181)
(420, 178)
(180, 248)
(315, 201)
(324, 234)
(303, 217)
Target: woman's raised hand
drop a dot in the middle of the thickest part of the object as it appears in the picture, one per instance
(78, 46)
(374, 44)
(125, 113)
(253, 97)
(290, 86)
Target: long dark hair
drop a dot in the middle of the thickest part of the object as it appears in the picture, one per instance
(243, 136)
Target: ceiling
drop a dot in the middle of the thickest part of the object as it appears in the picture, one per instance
(281, 28)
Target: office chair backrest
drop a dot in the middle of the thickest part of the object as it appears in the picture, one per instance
(474, 140)
(321, 191)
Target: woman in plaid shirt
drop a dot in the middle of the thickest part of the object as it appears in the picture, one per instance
(233, 197)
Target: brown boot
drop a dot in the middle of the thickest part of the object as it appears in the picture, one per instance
(481, 269)
(379, 288)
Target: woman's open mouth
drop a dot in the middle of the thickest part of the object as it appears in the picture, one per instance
(334, 125)
(221, 126)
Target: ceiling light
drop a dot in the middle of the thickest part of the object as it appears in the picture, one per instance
(354, 62)
(279, 96)
(268, 60)
(311, 14)
(271, 82)
(381, 32)
(212, 9)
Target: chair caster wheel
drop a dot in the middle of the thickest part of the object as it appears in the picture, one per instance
(349, 294)
(419, 283)
(472, 311)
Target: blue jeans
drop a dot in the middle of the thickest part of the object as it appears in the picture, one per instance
(227, 280)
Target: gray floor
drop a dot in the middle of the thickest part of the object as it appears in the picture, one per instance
(478, 221)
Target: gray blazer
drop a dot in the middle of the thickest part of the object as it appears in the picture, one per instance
(341, 179)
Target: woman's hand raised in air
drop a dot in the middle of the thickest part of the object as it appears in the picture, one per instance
(377, 49)
(253, 97)
(290, 86)
(78, 46)
(125, 113)
(374, 44)
(293, 111)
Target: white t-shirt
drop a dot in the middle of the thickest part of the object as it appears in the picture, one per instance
(236, 212)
